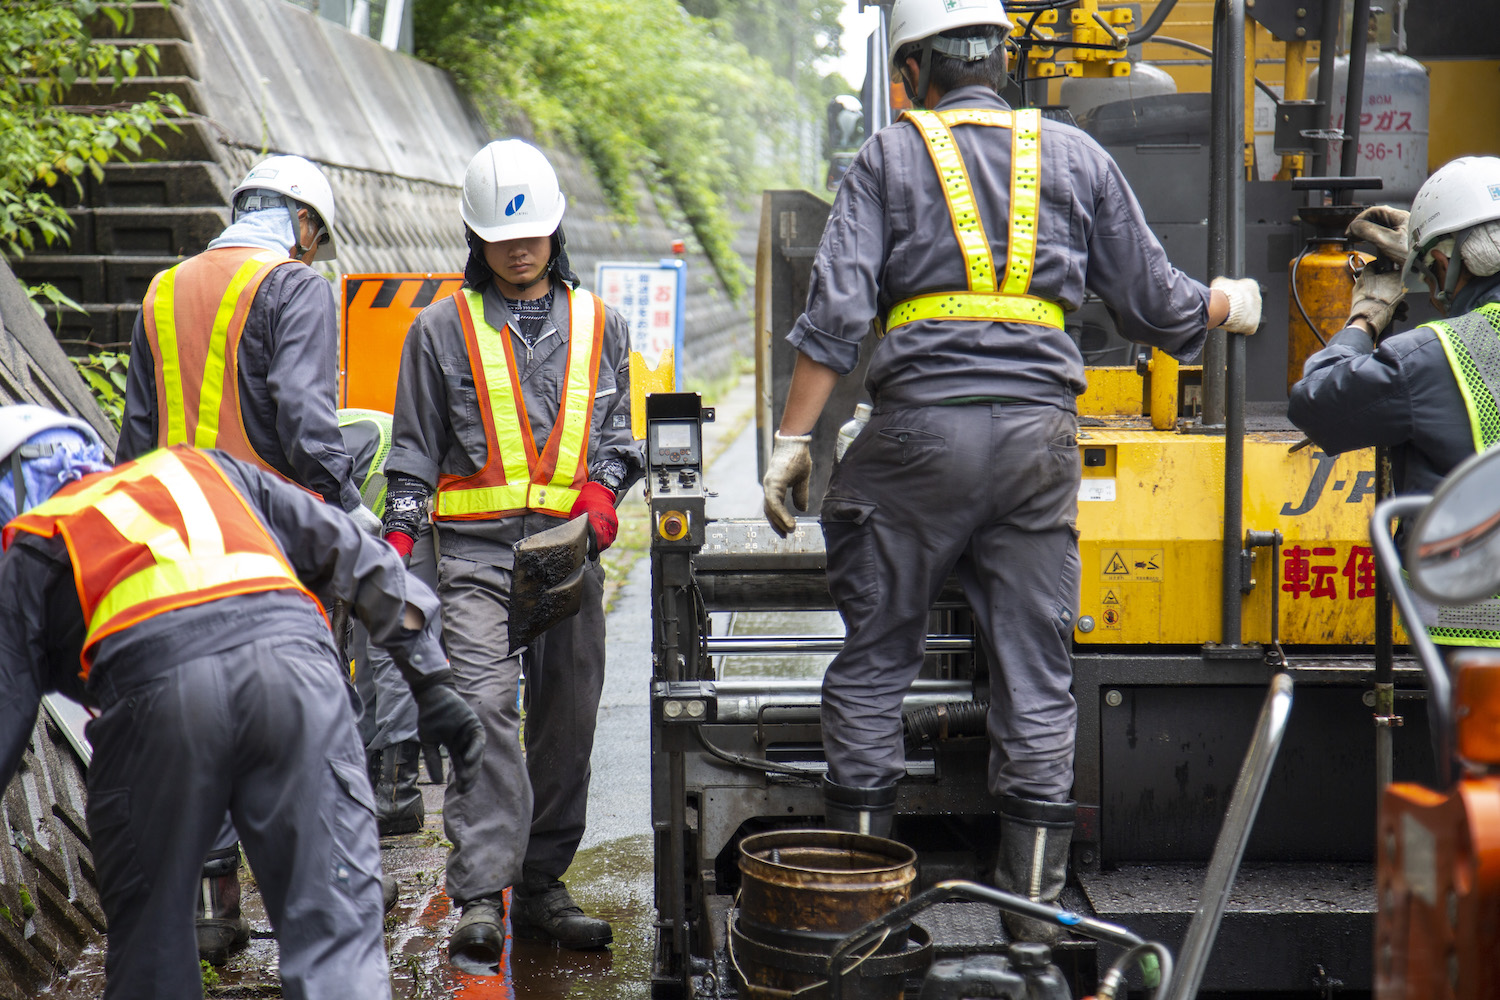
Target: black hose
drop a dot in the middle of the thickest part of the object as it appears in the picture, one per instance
(944, 722)
(1297, 296)
(1153, 23)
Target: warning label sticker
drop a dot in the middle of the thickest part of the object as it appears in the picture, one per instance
(1111, 617)
(1131, 565)
(1096, 490)
(1110, 598)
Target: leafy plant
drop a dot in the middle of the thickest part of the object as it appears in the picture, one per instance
(45, 48)
(645, 89)
(106, 372)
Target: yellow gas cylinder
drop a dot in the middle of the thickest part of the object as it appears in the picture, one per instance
(1320, 281)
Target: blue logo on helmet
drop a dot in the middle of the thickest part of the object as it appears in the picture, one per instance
(514, 205)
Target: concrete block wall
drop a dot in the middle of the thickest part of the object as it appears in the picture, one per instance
(394, 136)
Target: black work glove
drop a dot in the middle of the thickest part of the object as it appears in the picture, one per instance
(444, 717)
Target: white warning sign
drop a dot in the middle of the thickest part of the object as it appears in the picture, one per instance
(1131, 565)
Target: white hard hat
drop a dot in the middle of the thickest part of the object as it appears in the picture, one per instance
(19, 422)
(1460, 195)
(296, 178)
(511, 193)
(914, 20)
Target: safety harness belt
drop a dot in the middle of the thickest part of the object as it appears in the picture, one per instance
(1011, 303)
(1472, 344)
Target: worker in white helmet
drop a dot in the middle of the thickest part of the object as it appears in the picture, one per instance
(181, 595)
(967, 231)
(513, 415)
(1431, 394)
(236, 348)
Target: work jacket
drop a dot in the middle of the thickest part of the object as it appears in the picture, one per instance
(890, 238)
(1406, 394)
(285, 375)
(438, 428)
(43, 625)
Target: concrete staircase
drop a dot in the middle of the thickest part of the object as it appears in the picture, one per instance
(142, 217)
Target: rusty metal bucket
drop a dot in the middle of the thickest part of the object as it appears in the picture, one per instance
(801, 893)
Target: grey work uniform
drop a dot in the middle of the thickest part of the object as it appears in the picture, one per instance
(521, 811)
(1401, 393)
(236, 704)
(970, 460)
(288, 375)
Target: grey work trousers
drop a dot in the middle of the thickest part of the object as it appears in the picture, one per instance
(264, 731)
(523, 810)
(388, 712)
(990, 491)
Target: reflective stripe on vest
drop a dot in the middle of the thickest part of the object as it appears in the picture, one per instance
(167, 531)
(515, 477)
(981, 301)
(372, 480)
(1472, 344)
(194, 315)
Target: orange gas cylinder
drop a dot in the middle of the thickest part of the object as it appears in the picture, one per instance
(1320, 281)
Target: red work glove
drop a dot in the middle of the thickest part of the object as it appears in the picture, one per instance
(401, 542)
(598, 502)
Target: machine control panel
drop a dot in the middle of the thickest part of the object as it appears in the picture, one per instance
(674, 468)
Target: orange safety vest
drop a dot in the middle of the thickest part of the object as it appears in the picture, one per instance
(515, 478)
(164, 532)
(194, 315)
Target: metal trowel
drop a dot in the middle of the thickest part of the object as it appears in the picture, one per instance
(547, 581)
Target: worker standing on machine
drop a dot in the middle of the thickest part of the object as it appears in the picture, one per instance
(187, 585)
(970, 460)
(237, 349)
(1431, 394)
(513, 406)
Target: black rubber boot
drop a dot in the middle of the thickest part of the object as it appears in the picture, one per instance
(398, 801)
(542, 910)
(222, 929)
(480, 934)
(1033, 859)
(390, 891)
(859, 810)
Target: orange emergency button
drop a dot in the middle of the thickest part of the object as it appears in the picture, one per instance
(672, 525)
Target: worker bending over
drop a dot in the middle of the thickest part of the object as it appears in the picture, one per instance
(513, 414)
(1430, 394)
(180, 594)
(967, 232)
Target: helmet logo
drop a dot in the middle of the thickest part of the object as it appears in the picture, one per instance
(514, 205)
(1494, 190)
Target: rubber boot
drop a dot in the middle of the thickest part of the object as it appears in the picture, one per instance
(859, 810)
(1033, 859)
(222, 929)
(542, 910)
(398, 801)
(480, 934)
(374, 764)
(390, 891)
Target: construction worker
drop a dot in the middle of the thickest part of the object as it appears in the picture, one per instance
(968, 231)
(513, 414)
(1429, 394)
(387, 714)
(237, 347)
(187, 585)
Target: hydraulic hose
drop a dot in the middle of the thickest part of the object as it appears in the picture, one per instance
(943, 722)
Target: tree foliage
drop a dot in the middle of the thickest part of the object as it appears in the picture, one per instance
(646, 89)
(45, 47)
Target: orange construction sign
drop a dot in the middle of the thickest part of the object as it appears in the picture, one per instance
(378, 310)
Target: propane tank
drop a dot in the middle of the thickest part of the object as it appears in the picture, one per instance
(1393, 126)
(1320, 282)
(1081, 95)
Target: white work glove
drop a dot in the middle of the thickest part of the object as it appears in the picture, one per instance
(367, 521)
(1244, 303)
(1376, 297)
(1385, 227)
(790, 469)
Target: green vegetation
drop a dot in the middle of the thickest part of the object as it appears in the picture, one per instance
(707, 101)
(210, 975)
(105, 372)
(45, 48)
